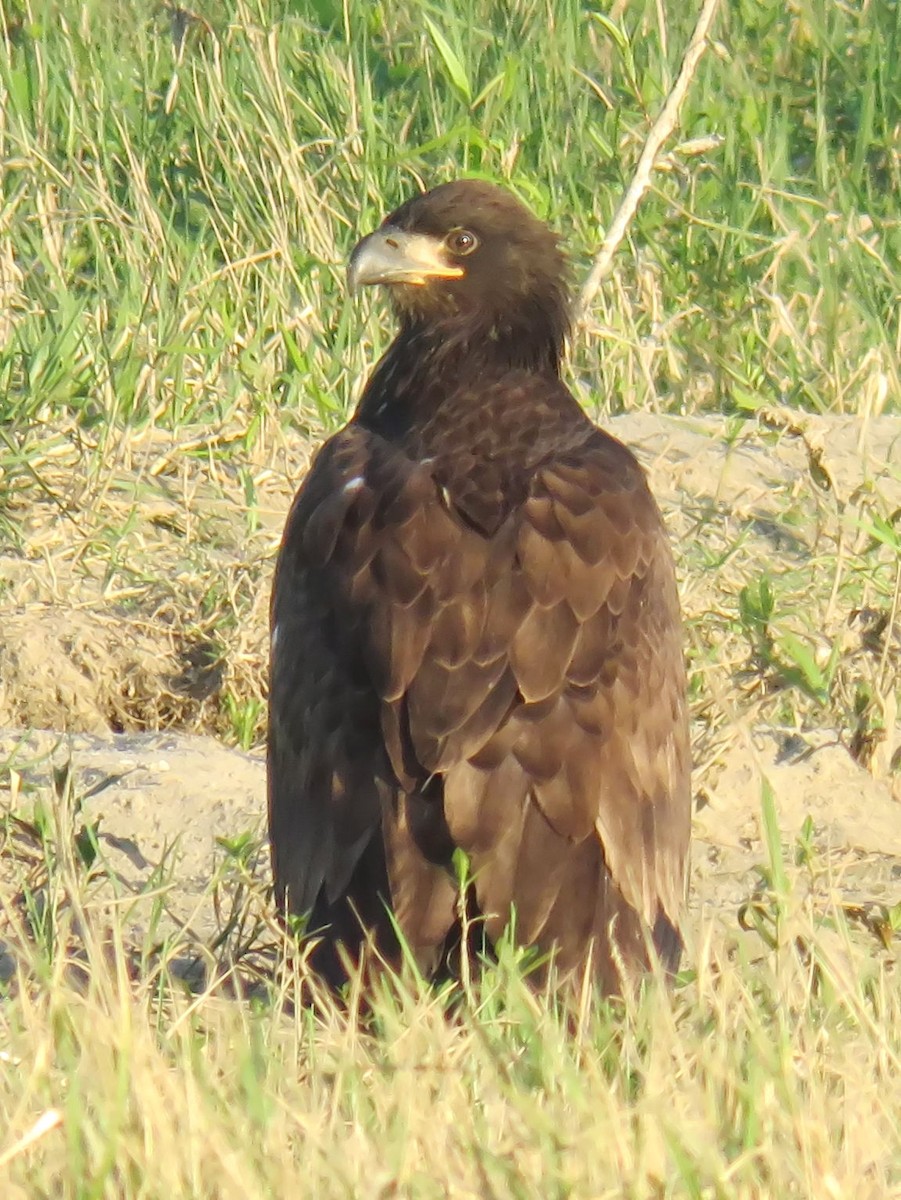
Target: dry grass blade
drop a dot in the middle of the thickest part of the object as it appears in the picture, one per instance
(46, 1121)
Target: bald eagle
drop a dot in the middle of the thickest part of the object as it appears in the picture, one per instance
(476, 636)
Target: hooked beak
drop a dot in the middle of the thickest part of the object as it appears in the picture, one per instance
(391, 255)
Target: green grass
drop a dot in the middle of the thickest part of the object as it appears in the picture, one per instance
(178, 209)
(179, 196)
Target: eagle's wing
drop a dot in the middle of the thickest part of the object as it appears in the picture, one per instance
(577, 811)
(368, 557)
(519, 695)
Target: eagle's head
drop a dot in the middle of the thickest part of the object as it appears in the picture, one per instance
(469, 254)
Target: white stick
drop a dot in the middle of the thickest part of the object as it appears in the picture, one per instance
(660, 131)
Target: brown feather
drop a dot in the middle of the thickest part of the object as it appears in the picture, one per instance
(541, 649)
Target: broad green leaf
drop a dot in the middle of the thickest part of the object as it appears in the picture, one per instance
(802, 657)
(773, 838)
(452, 63)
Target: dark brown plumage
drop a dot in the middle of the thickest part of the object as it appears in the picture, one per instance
(475, 630)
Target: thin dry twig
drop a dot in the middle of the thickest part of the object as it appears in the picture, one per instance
(660, 131)
(45, 1122)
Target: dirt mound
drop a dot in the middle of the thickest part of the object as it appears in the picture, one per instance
(158, 803)
(164, 805)
(95, 670)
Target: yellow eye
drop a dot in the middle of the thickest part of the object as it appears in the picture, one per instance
(461, 241)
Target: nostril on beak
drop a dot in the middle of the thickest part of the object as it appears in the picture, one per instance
(391, 242)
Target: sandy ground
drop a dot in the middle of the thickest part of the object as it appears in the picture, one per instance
(166, 798)
(170, 795)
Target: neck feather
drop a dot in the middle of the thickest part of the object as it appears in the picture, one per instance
(429, 361)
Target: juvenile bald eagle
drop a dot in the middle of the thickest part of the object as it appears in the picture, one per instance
(475, 631)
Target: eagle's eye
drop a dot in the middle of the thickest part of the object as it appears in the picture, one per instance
(461, 242)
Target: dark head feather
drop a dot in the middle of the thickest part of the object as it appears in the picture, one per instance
(467, 264)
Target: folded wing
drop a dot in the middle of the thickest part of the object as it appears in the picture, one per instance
(516, 692)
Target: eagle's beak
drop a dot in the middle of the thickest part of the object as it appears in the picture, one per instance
(391, 255)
